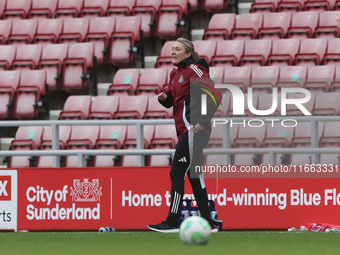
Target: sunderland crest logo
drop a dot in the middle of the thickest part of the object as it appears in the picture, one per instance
(86, 191)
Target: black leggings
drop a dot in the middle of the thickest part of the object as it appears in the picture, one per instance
(188, 154)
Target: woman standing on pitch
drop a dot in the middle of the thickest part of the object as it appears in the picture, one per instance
(193, 129)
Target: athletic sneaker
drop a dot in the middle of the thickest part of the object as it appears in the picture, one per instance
(164, 227)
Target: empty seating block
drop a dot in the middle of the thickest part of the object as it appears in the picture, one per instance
(206, 49)
(311, 52)
(120, 7)
(320, 78)
(328, 26)
(264, 6)
(275, 25)
(7, 55)
(5, 30)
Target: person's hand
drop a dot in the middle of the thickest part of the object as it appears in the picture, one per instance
(162, 96)
(198, 127)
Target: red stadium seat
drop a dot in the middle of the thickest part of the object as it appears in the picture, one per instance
(165, 137)
(52, 58)
(26, 138)
(5, 30)
(332, 56)
(164, 60)
(42, 9)
(131, 107)
(92, 8)
(120, 7)
(248, 137)
(327, 104)
(303, 25)
(78, 63)
(328, 26)
(110, 137)
(123, 40)
(266, 104)
(68, 8)
(220, 26)
(206, 49)
(238, 75)
(74, 30)
(311, 52)
(2, 6)
(46, 144)
(247, 113)
(330, 138)
(228, 53)
(216, 74)
(23, 31)
(264, 78)
(76, 107)
(125, 81)
(224, 107)
(277, 136)
(292, 76)
(113, 136)
(48, 31)
(319, 5)
(9, 82)
(292, 110)
(7, 55)
(16, 9)
(156, 111)
(302, 139)
(147, 10)
(27, 56)
(275, 25)
(256, 52)
(290, 5)
(169, 16)
(320, 78)
(81, 138)
(283, 52)
(131, 143)
(152, 81)
(99, 33)
(103, 107)
(264, 6)
(335, 85)
(247, 26)
(28, 95)
(214, 5)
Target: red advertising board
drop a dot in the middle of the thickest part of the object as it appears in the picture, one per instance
(132, 198)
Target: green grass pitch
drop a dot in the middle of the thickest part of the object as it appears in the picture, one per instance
(238, 242)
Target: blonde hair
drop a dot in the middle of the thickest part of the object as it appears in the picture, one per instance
(189, 47)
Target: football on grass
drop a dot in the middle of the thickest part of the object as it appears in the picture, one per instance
(195, 230)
